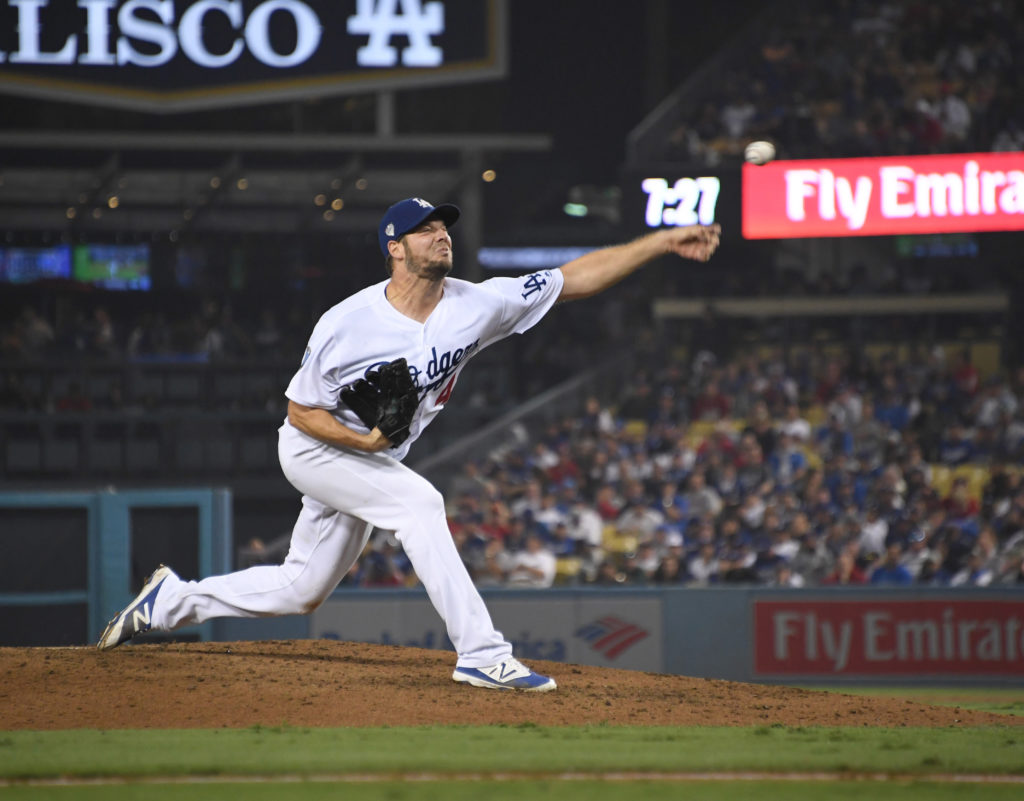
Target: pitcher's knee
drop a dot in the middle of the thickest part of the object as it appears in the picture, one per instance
(424, 501)
(301, 598)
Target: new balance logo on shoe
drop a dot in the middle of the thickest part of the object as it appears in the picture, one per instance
(141, 618)
(137, 617)
(508, 675)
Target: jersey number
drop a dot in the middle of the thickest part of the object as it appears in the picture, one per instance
(446, 393)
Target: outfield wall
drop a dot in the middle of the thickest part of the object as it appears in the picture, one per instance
(809, 636)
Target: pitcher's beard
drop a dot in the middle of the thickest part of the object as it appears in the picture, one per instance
(436, 270)
(431, 270)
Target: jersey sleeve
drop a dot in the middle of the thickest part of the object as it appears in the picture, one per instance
(525, 300)
(317, 382)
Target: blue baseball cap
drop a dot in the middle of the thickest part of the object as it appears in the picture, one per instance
(406, 214)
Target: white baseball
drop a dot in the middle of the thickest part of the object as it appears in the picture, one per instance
(759, 152)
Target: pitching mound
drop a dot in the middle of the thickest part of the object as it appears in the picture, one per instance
(323, 683)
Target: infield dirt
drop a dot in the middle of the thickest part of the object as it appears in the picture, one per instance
(326, 683)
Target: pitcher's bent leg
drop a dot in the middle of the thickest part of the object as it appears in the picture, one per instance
(390, 496)
(325, 544)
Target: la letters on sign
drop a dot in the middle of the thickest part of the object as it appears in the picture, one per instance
(880, 196)
(178, 54)
(888, 637)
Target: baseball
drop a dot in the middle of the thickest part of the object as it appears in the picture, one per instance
(759, 152)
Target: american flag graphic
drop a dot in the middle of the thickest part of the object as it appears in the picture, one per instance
(611, 636)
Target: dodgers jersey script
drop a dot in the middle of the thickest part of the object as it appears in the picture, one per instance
(365, 331)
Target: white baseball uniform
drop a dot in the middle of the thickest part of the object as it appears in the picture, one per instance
(348, 492)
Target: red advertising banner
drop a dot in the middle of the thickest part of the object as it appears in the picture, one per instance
(880, 196)
(888, 638)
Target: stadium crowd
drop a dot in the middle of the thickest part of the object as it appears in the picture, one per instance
(867, 78)
(800, 472)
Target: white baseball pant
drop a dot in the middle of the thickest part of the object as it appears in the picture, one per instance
(345, 495)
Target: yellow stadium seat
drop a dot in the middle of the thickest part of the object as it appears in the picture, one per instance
(634, 429)
(567, 568)
(976, 477)
(815, 415)
(614, 542)
(942, 479)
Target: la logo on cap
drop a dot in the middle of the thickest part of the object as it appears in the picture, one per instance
(390, 230)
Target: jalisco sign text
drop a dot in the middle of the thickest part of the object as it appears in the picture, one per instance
(178, 54)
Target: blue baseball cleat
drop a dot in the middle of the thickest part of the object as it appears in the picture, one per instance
(508, 675)
(137, 617)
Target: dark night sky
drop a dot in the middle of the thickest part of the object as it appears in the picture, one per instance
(580, 70)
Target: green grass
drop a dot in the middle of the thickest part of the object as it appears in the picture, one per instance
(454, 750)
(531, 791)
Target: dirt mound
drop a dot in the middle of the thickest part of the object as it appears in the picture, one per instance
(324, 683)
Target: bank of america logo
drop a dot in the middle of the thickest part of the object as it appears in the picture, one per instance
(611, 636)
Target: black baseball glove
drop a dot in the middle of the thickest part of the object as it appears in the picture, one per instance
(385, 399)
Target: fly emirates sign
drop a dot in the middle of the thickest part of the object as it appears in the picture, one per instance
(881, 196)
(889, 637)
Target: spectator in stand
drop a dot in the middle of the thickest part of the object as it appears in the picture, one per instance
(890, 570)
(752, 474)
(812, 560)
(785, 576)
(870, 437)
(530, 500)
(385, 565)
(641, 566)
(965, 376)
(639, 520)
(670, 572)
(873, 533)
(846, 573)
(973, 574)
(550, 515)
(608, 503)
(497, 520)
(795, 425)
(891, 408)
(490, 564)
(585, 524)
(532, 567)
(669, 498)
(788, 463)
(711, 405)
(960, 505)
(761, 426)
(833, 439)
(704, 567)
(987, 547)
(1011, 569)
(720, 444)
(956, 447)
(701, 499)
(560, 543)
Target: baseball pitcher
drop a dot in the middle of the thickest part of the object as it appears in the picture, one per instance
(378, 368)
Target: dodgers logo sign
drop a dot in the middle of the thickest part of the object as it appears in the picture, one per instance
(172, 55)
